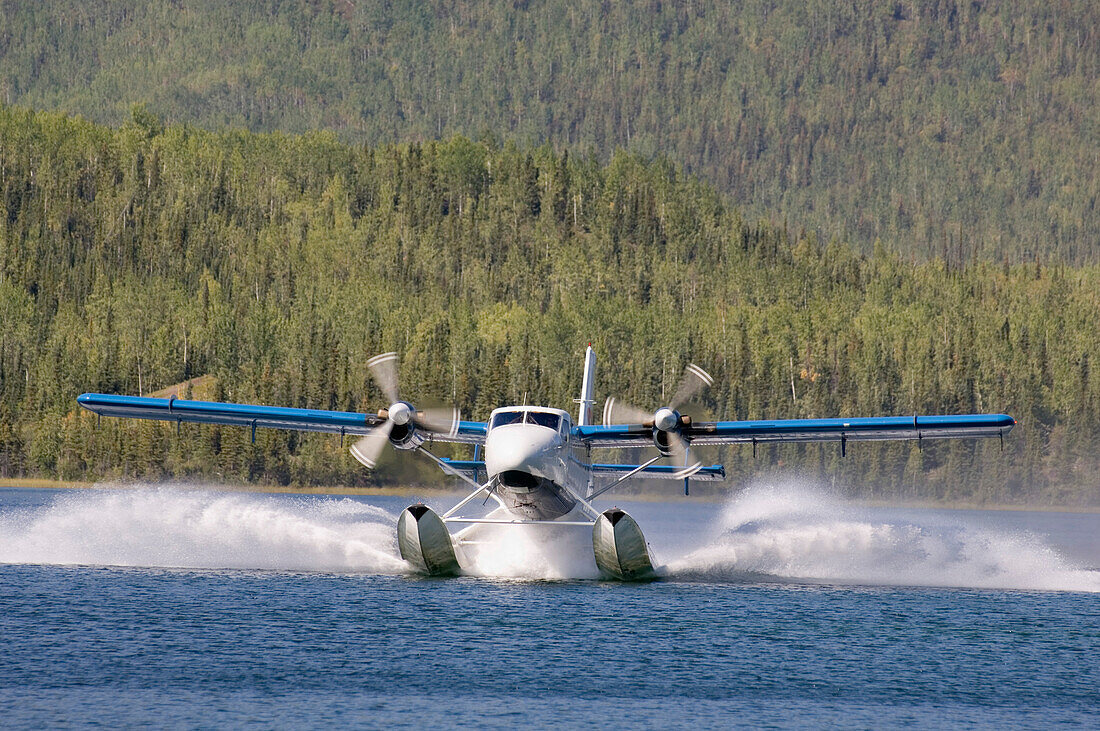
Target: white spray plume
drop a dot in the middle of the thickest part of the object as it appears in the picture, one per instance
(173, 527)
(794, 533)
(780, 533)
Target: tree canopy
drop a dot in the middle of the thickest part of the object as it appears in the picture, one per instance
(957, 130)
(138, 257)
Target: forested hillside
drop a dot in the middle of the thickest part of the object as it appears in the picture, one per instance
(135, 258)
(957, 130)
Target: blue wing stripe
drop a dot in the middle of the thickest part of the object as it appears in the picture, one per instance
(964, 425)
(810, 430)
(272, 417)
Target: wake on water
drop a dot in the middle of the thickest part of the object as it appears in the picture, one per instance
(180, 528)
(767, 533)
(788, 533)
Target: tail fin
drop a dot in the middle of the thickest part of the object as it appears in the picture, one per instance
(588, 389)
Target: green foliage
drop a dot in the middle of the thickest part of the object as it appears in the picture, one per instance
(279, 264)
(957, 130)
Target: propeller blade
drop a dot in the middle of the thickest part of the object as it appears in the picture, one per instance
(681, 456)
(617, 412)
(384, 369)
(440, 419)
(695, 378)
(369, 448)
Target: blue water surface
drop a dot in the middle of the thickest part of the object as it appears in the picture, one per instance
(178, 646)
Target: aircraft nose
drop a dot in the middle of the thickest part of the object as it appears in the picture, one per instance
(518, 447)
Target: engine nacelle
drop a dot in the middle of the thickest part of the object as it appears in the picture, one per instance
(667, 427)
(662, 440)
(406, 436)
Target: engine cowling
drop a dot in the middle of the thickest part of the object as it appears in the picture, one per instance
(662, 440)
(404, 435)
(667, 425)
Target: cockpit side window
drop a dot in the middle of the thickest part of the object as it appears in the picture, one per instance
(542, 419)
(507, 417)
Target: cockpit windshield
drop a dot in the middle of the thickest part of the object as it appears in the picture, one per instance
(540, 418)
(550, 421)
(506, 417)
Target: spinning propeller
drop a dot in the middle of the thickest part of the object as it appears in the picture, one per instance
(402, 420)
(666, 422)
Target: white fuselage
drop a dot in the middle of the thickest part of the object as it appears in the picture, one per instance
(528, 455)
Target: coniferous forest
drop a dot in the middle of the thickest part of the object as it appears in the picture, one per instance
(136, 257)
(858, 209)
(956, 129)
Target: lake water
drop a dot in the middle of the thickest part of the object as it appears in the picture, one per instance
(781, 608)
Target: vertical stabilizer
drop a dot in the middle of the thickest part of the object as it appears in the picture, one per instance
(588, 388)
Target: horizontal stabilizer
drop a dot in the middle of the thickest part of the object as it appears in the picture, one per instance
(473, 467)
(712, 473)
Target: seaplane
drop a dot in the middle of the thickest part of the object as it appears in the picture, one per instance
(535, 462)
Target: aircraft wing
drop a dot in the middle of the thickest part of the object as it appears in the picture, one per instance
(268, 417)
(808, 430)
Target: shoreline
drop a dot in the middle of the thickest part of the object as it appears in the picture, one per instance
(420, 490)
